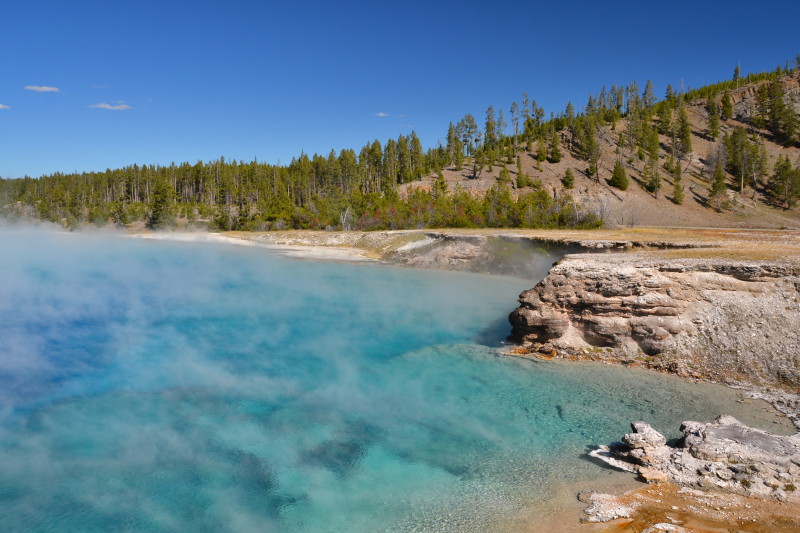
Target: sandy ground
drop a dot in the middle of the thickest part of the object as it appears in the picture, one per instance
(309, 251)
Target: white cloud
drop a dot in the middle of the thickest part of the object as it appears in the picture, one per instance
(4, 106)
(104, 105)
(42, 89)
(381, 114)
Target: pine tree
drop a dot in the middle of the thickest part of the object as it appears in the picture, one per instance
(509, 150)
(569, 179)
(718, 188)
(555, 155)
(389, 164)
(467, 130)
(515, 121)
(538, 113)
(591, 149)
(669, 164)
(619, 178)
(490, 131)
(478, 161)
(161, 207)
(684, 131)
(403, 160)
(454, 150)
(664, 114)
(785, 183)
(439, 186)
(505, 175)
(762, 166)
(417, 157)
(727, 106)
(650, 174)
(502, 125)
(526, 112)
(541, 151)
(649, 97)
(677, 188)
(713, 118)
(569, 115)
(670, 95)
(781, 118)
(523, 180)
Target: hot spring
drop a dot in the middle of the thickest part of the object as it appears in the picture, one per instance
(163, 386)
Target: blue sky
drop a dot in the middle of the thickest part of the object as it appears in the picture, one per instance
(247, 79)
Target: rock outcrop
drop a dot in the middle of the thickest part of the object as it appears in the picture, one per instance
(721, 455)
(716, 319)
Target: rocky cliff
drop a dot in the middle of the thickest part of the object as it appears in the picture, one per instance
(711, 318)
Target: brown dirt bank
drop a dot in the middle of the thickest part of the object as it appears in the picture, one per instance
(699, 242)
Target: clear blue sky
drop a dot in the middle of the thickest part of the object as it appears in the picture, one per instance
(246, 79)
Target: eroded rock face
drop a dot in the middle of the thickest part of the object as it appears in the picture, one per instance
(721, 455)
(710, 318)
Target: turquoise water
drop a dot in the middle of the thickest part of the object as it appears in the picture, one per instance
(156, 386)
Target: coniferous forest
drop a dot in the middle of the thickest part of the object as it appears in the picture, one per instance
(359, 189)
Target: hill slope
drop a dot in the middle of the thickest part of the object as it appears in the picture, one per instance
(636, 206)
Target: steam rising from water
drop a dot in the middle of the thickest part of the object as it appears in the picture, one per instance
(203, 387)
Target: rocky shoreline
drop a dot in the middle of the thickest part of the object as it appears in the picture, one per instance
(729, 321)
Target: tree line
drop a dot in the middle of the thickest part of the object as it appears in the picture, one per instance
(358, 189)
(341, 191)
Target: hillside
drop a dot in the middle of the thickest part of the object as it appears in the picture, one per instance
(637, 206)
(493, 176)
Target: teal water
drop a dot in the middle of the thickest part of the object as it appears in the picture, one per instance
(156, 386)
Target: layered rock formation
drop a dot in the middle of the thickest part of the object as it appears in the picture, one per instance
(721, 455)
(711, 318)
